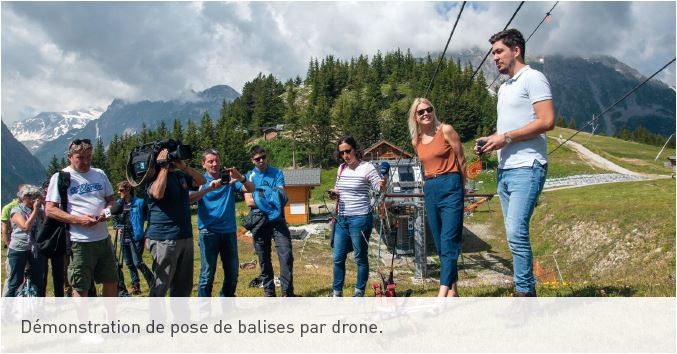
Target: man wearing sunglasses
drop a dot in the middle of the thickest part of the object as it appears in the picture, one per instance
(90, 196)
(525, 112)
(267, 179)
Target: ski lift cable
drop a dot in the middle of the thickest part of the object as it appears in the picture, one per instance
(614, 104)
(489, 52)
(439, 62)
(532, 33)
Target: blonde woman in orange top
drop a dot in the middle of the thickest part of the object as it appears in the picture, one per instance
(439, 149)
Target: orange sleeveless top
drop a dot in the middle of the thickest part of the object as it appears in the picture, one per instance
(437, 156)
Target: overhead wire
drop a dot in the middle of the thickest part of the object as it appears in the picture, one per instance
(439, 62)
(613, 105)
(489, 52)
(547, 14)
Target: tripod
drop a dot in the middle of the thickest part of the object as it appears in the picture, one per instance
(133, 256)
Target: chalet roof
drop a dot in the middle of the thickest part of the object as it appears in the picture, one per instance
(386, 142)
(302, 177)
(278, 128)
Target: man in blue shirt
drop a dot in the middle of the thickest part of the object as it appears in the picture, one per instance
(265, 177)
(525, 112)
(216, 222)
(170, 233)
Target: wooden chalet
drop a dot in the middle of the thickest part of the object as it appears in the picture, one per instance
(297, 184)
(385, 150)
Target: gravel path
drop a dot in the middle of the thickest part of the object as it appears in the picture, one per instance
(597, 160)
(621, 174)
(586, 180)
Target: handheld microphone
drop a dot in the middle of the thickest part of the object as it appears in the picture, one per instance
(384, 168)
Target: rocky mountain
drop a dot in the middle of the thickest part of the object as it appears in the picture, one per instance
(127, 117)
(47, 126)
(18, 166)
(582, 87)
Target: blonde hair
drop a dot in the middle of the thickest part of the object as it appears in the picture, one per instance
(414, 129)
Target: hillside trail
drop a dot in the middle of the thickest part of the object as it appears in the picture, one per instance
(599, 161)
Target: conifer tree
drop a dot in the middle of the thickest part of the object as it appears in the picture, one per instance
(99, 156)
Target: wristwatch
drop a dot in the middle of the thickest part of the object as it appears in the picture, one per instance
(508, 139)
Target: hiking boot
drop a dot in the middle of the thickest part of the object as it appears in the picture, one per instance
(136, 290)
(256, 282)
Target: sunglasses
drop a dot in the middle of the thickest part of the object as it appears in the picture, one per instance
(122, 190)
(342, 152)
(80, 141)
(420, 112)
(260, 158)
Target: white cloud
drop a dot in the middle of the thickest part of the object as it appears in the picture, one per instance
(70, 55)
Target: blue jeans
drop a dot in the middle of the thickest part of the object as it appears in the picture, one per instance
(355, 231)
(132, 254)
(443, 197)
(211, 245)
(17, 266)
(518, 189)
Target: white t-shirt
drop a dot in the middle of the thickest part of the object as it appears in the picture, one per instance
(515, 109)
(353, 186)
(86, 196)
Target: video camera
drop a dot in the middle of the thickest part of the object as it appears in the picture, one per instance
(142, 159)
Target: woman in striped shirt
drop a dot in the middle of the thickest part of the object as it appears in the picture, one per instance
(354, 218)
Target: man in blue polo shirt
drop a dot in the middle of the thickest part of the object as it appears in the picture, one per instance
(265, 177)
(525, 112)
(216, 222)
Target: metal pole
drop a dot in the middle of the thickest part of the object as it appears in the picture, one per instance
(664, 145)
(557, 265)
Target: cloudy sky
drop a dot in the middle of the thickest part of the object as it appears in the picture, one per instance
(60, 56)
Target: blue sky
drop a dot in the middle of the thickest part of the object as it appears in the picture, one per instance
(60, 56)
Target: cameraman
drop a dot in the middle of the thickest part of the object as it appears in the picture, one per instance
(170, 234)
(129, 226)
(216, 222)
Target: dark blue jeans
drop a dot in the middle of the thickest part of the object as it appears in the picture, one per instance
(355, 231)
(17, 269)
(211, 246)
(58, 273)
(276, 230)
(519, 189)
(443, 198)
(132, 254)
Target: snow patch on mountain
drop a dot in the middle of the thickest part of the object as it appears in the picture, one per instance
(47, 126)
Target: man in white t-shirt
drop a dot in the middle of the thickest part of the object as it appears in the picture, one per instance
(89, 195)
(525, 112)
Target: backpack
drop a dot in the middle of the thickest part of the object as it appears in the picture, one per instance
(53, 234)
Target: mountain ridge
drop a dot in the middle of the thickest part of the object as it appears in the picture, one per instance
(131, 115)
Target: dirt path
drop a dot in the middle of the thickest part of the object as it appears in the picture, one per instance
(599, 161)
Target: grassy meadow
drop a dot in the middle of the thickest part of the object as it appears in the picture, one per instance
(604, 240)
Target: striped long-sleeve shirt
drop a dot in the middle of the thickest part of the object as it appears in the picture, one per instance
(353, 186)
